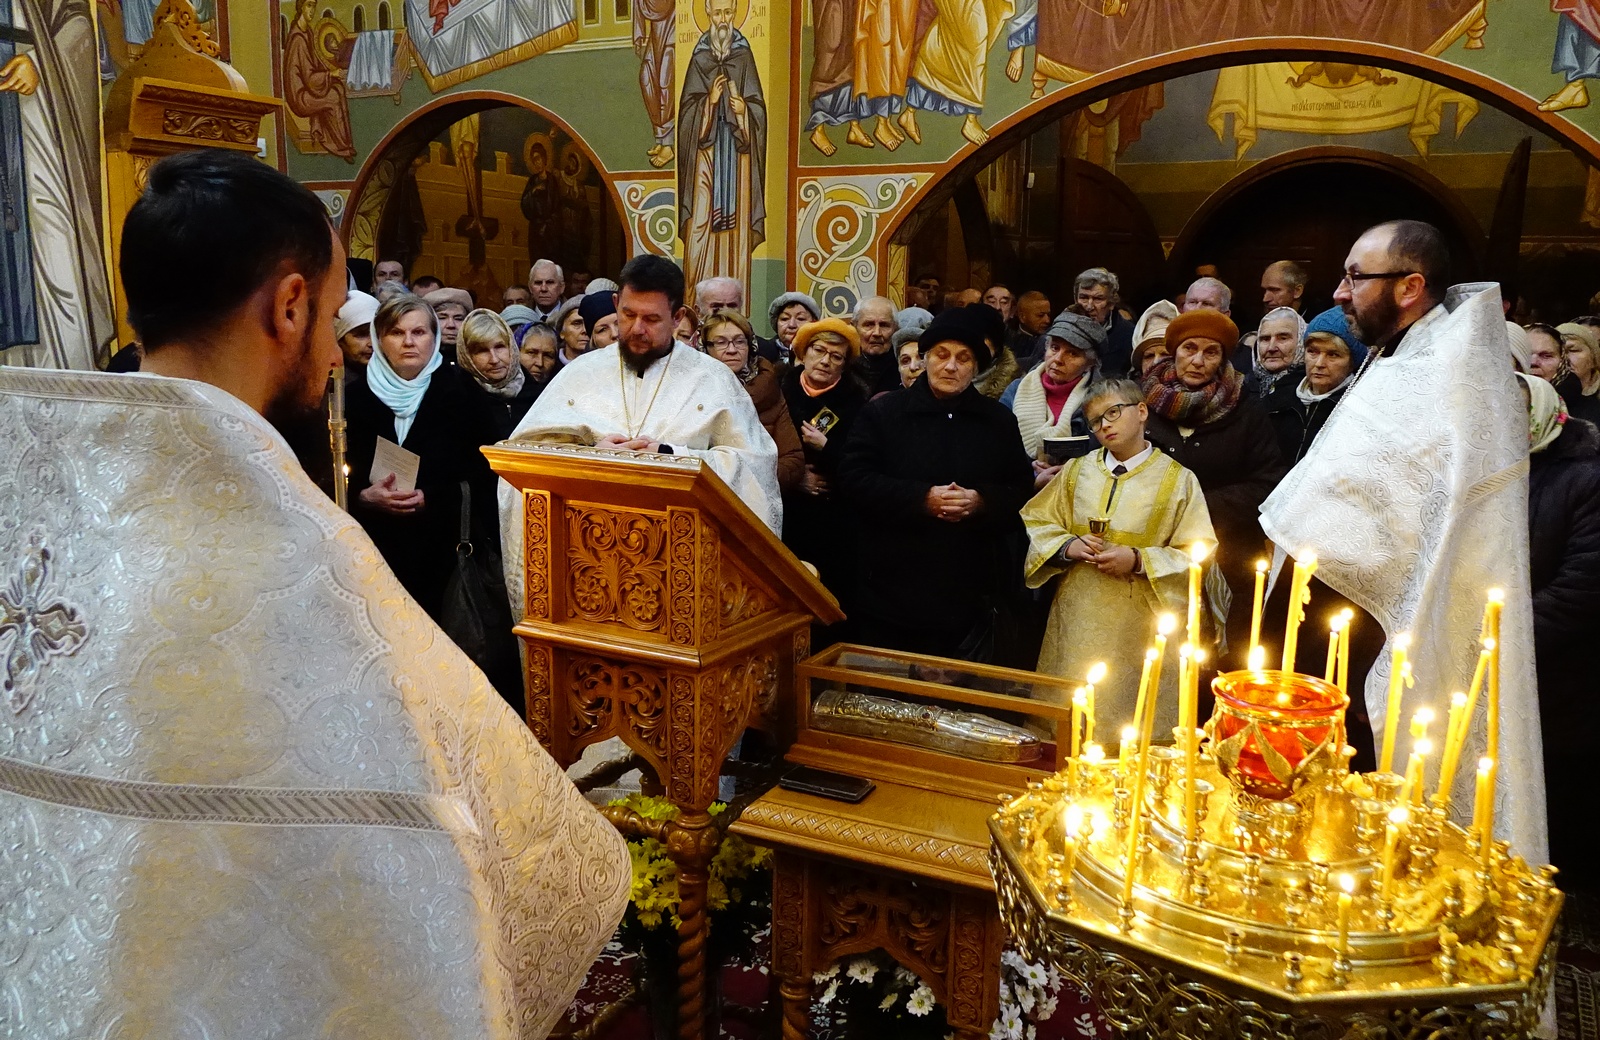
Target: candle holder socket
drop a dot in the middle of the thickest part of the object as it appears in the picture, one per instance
(1370, 817)
(1292, 973)
(1386, 787)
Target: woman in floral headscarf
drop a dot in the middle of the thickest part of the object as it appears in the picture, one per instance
(1199, 415)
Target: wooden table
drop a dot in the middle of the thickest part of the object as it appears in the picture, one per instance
(906, 871)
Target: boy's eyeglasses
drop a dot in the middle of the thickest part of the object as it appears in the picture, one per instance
(1109, 416)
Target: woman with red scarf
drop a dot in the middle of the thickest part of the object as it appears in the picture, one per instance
(1201, 417)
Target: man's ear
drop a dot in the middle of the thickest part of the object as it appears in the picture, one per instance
(291, 310)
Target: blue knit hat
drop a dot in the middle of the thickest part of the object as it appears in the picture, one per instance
(1331, 322)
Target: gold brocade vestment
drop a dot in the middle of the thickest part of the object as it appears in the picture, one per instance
(1155, 507)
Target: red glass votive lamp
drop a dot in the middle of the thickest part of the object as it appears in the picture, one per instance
(1273, 732)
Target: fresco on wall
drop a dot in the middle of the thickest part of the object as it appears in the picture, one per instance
(1324, 97)
(349, 51)
(493, 193)
(55, 306)
(456, 40)
(1577, 53)
(654, 24)
(884, 60)
(722, 148)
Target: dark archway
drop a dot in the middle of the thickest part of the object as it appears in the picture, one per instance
(1006, 133)
(1308, 205)
(383, 169)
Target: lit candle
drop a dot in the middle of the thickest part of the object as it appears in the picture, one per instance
(1491, 622)
(1164, 627)
(1455, 734)
(1077, 730)
(1331, 672)
(1348, 616)
(1189, 668)
(1150, 658)
(1420, 723)
(1258, 658)
(1417, 769)
(1299, 596)
(1483, 809)
(1255, 610)
(1347, 885)
(1391, 844)
(1129, 739)
(1096, 674)
(1391, 725)
(1478, 675)
(1185, 662)
(1197, 556)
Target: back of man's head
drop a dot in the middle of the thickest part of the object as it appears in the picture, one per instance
(1415, 245)
(649, 273)
(211, 228)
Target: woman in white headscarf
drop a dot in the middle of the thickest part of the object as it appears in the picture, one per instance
(1280, 352)
(423, 422)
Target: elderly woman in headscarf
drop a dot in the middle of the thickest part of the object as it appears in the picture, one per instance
(786, 314)
(728, 337)
(486, 351)
(1279, 353)
(1150, 337)
(1564, 571)
(936, 475)
(570, 330)
(1333, 355)
(1200, 415)
(433, 411)
(1048, 401)
(823, 404)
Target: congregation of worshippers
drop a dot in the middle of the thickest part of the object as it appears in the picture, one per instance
(932, 458)
(937, 462)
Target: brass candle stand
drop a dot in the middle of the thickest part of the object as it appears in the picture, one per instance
(1243, 931)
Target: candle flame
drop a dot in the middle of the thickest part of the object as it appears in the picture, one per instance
(1458, 700)
(1080, 697)
(1348, 615)
(1485, 764)
(1129, 734)
(1094, 753)
(1072, 821)
(1402, 641)
(1308, 559)
(1399, 815)
(1258, 658)
(1261, 566)
(1488, 644)
(1497, 596)
(1423, 716)
(1347, 882)
(1166, 624)
(1423, 746)
(1097, 674)
(1151, 655)
(1199, 656)
(1199, 551)
(1186, 651)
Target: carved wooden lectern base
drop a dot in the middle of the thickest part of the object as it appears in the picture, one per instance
(657, 609)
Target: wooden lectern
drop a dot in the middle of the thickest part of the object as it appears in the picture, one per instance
(659, 609)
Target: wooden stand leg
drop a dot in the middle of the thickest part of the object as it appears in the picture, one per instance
(691, 842)
(795, 995)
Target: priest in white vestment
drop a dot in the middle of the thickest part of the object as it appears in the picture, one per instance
(1414, 499)
(247, 787)
(649, 393)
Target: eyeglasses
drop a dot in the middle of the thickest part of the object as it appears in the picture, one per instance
(1351, 278)
(725, 343)
(820, 354)
(1109, 416)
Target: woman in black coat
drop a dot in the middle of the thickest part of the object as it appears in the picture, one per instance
(1564, 567)
(1200, 416)
(823, 404)
(936, 475)
(487, 351)
(432, 410)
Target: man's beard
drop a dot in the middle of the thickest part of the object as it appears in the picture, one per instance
(296, 410)
(641, 362)
(721, 38)
(1373, 325)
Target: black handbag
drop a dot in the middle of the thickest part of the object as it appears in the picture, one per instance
(476, 615)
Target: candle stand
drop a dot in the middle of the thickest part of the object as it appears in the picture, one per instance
(1311, 902)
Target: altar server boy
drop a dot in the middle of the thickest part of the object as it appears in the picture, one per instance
(1114, 585)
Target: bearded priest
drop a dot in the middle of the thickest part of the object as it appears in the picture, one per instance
(649, 393)
(247, 787)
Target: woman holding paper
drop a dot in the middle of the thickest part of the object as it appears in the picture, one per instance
(415, 426)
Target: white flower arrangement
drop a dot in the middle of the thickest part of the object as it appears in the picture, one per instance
(872, 985)
(1028, 995)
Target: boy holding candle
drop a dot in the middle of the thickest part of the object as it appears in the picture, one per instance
(1113, 585)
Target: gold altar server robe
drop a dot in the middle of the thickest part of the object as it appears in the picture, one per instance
(247, 787)
(1154, 506)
